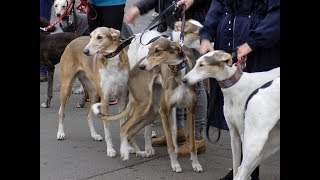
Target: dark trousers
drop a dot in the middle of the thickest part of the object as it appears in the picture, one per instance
(45, 9)
(107, 16)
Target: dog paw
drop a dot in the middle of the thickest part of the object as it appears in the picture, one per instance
(197, 167)
(61, 136)
(44, 105)
(96, 108)
(111, 153)
(146, 154)
(97, 137)
(176, 167)
(131, 150)
(78, 105)
(78, 91)
(153, 134)
(125, 155)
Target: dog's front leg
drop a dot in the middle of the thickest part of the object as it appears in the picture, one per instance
(196, 166)
(110, 150)
(235, 147)
(164, 113)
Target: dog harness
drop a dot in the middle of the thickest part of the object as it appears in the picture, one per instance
(256, 91)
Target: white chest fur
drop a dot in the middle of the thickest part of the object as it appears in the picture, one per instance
(182, 96)
(113, 80)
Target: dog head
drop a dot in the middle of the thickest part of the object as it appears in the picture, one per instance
(191, 33)
(102, 40)
(60, 7)
(162, 51)
(208, 65)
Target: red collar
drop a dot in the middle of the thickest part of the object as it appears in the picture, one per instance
(232, 79)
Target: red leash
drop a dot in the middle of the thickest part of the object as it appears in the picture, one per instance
(59, 19)
(85, 7)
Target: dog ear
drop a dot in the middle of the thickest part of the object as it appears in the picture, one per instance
(115, 34)
(175, 45)
(223, 56)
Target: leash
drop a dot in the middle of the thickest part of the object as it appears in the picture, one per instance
(183, 24)
(60, 18)
(150, 27)
(120, 47)
(239, 63)
(84, 4)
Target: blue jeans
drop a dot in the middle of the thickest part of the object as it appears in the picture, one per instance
(45, 12)
(200, 112)
(45, 9)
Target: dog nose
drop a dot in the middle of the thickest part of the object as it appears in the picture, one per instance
(58, 15)
(86, 52)
(142, 66)
(185, 80)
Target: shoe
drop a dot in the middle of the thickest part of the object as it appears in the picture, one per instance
(229, 176)
(154, 15)
(43, 78)
(113, 102)
(185, 148)
(161, 141)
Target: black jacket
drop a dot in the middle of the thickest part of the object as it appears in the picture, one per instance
(197, 11)
(230, 23)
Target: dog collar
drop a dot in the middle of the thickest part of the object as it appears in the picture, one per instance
(178, 67)
(232, 79)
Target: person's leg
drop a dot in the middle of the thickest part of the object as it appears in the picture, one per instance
(45, 12)
(112, 16)
(94, 17)
(45, 9)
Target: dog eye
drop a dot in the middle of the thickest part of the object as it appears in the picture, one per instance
(63, 6)
(55, 5)
(200, 65)
(99, 37)
(156, 51)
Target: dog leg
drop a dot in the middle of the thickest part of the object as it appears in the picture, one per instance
(50, 86)
(148, 149)
(196, 166)
(93, 98)
(236, 148)
(80, 90)
(164, 112)
(173, 116)
(64, 96)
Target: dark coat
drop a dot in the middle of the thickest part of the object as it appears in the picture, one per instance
(197, 11)
(230, 23)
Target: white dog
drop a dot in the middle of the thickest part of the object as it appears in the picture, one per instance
(253, 118)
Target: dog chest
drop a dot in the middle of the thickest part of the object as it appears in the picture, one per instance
(182, 96)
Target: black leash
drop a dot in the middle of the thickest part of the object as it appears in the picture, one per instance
(150, 26)
(119, 48)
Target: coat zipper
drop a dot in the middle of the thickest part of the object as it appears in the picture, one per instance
(234, 22)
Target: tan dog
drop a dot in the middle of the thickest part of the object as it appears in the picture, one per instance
(175, 93)
(102, 77)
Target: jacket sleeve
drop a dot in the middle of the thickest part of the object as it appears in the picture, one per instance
(267, 33)
(146, 5)
(211, 21)
(200, 2)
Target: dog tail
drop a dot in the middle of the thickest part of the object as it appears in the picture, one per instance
(121, 115)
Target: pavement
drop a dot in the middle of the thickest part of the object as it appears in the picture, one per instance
(80, 157)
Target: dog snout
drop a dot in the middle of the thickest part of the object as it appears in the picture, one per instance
(86, 52)
(142, 66)
(185, 80)
(58, 15)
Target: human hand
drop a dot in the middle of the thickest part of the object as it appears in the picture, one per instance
(243, 51)
(131, 15)
(188, 3)
(205, 46)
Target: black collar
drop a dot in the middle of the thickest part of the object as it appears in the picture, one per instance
(178, 67)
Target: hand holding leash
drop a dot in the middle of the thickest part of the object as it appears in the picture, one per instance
(188, 3)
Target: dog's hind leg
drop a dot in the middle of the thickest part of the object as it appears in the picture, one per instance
(196, 166)
(50, 86)
(66, 85)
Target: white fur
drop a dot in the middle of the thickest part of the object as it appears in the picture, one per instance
(181, 95)
(80, 90)
(174, 163)
(197, 23)
(60, 134)
(124, 149)
(256, 130)
(196, 166)
(137, 50)
(93, 132)
(95, 108)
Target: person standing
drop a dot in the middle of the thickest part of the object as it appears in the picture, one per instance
(252, 29)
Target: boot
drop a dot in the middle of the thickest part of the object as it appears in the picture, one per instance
(161, 141)
(185, 148)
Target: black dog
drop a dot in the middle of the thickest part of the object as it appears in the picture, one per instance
(51, 48)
